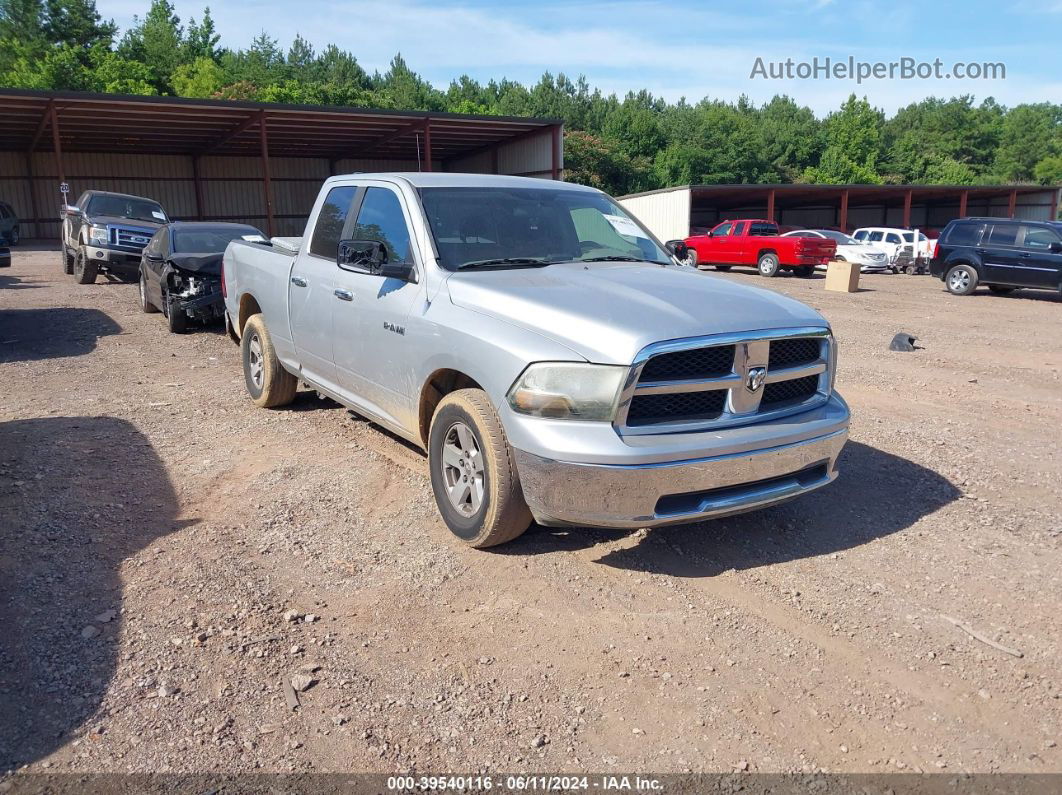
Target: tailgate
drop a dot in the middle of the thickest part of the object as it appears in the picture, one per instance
(816, 247)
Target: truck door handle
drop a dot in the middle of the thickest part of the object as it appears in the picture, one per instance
(1025, 254)
(298, 281)
(344, 295)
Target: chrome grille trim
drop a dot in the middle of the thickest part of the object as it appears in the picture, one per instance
(752, 349)
(122, 237)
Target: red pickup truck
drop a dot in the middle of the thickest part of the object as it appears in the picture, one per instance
(757, 242)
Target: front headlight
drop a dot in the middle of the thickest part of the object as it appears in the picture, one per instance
(568, 391)
(98, 235)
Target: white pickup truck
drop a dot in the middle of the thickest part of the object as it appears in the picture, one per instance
(550, 355)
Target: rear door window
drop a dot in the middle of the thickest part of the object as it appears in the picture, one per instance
(764, 230)
(892, 237)
(1003, 235)
(875, 237)
(964, 234)
(328, 230)
(861, 235)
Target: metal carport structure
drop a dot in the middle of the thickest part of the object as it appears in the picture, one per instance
(202, 158)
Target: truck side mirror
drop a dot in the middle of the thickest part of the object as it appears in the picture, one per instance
(1055, 248)
(370, 256)
(364, 256)
(72, 209)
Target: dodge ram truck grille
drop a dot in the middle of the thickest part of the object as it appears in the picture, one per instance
(129, 239)
(724, 380)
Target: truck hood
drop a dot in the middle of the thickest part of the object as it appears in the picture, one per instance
(127, 223)
(607, 312)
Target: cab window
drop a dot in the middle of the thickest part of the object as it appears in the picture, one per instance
(381, 218)
(892, 237)
(722, 230)
(1040, 238)
(328, 230)
(861, 235)
(875, 237)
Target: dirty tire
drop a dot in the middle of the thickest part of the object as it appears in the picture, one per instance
(146, 306)
(68, 261)
(768, 264)
(691, 257)
(502, 514)
(268, 383)
(961, 280)
(177, 322)
(85, 270)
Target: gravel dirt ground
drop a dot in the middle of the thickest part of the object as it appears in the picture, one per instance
(171, 556)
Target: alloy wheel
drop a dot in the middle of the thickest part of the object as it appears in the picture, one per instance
(462, 469)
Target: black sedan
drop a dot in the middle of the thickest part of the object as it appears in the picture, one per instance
(180, 270)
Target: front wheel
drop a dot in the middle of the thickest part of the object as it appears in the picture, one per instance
(691, 257)
(268, 383)
(85, 269)
(68, 261)
(961, 280)
(768, 264)
(176, 318)
(473, 475)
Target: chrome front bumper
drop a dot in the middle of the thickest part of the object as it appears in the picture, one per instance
(646, 495)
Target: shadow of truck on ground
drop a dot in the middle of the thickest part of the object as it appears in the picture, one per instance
(78, 495)
(27, 335)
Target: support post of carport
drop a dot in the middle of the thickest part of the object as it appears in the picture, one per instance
(1054, 204)
(198, 183)
(907, 196)
(427, 145)
(32, 196)
(842, 218)
(267, 185)
(556, 138)
(963, 198)
(1012, 203)
(770, 204)
(57, 147)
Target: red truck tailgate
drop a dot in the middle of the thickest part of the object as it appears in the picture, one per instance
(816, 247)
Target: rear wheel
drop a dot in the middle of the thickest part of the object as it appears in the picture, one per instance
(145, 305)
(473, 475)
(85, 269)
(268, 383)
(805, 273)
(961, 280)
(768, 264)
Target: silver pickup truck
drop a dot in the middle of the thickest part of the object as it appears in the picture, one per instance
(550, 355)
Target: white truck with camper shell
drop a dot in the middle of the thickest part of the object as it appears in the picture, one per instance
(553, 359)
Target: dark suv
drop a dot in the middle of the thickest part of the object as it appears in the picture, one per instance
(107, 231)
(1000, 253)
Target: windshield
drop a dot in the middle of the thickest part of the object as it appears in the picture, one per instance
(840, 237)
(209, 241)
(532, 226)
(126, 207)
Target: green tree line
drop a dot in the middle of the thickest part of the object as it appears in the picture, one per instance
(622, 145)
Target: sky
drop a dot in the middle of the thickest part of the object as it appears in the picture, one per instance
(673, 48)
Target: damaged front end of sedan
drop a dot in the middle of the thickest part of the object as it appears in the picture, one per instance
(193, 286)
